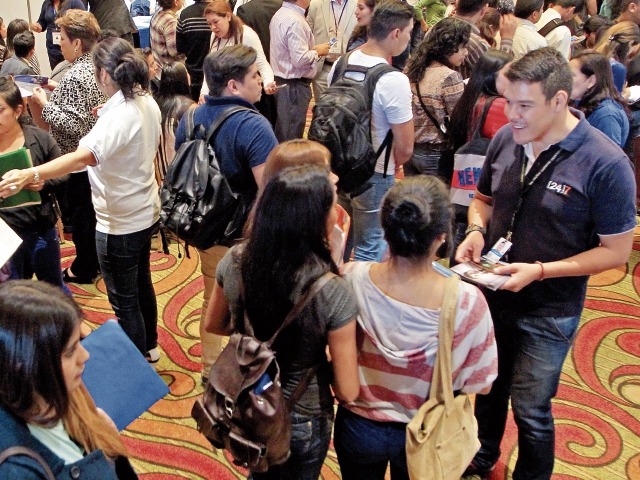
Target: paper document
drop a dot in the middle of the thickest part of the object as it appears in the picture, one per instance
(10, 242)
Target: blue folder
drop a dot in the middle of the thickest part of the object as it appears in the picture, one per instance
(118, 377)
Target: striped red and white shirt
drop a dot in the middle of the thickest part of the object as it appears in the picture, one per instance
(397, 346)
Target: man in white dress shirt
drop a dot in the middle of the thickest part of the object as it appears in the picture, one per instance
(330, 20)
(526, 37)
(551, 27)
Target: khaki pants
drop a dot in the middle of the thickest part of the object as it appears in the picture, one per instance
(211, 343)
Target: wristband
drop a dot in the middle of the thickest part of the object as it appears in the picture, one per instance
(36, 175)
(541, 270)
(474, 227)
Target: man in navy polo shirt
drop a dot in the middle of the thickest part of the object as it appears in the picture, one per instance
(242, 145)
(564, 194)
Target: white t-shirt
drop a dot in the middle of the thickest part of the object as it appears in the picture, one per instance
(124, 142)
(391, 102)
(58, 441)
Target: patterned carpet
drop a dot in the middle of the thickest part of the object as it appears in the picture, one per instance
(597, 409)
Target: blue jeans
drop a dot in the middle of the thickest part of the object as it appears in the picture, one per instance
(531, 351)
(310, 437)
(126, 269)
(39, 254)
(365, 447)
(368, 237)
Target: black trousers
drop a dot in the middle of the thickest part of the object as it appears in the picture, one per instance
(83, 221)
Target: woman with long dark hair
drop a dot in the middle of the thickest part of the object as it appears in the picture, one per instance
(436, 89)
(39, 252)
(285, 253)
(174, 100)
(597, 96)
(44, 406)
(119, 151)
(397, 330)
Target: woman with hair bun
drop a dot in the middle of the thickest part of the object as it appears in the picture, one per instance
(119, 151)
(399, 303)
(44, 406)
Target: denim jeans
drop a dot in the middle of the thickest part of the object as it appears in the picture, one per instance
(365, 447)
(531, 351)
(368, 237)
(39, 253)
(424, 161)
(310, 436)
(126, 269)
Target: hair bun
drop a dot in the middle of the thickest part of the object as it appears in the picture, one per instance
(409, 213)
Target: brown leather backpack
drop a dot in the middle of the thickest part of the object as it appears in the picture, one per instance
(243, 409)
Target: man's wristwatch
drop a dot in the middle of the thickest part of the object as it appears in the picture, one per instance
(474, 227)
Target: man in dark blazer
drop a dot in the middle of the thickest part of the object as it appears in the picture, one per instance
(113, 15)
(257, 15)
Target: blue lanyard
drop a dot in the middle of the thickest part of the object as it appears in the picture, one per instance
(339, 19)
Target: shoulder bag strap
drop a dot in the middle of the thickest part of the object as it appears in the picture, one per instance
(552, 25)
(442, 381)
(442, 128)
(189, 124)
(11, 451)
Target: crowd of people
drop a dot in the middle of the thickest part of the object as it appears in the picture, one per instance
(539, 93)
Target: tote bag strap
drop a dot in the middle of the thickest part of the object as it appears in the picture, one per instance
(11, 451)
(442, 382)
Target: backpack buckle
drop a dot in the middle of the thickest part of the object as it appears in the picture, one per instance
(229, 406)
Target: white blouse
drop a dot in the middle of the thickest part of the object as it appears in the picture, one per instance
(250, 39)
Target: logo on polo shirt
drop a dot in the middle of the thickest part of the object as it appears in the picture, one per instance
(558, 187)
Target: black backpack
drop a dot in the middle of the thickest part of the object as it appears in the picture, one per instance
(342, 123)
(197, 202)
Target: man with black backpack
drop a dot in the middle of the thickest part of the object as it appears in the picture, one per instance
(241, 146)
(389, 34)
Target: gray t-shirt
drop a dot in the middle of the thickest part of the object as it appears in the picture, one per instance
(302, 344)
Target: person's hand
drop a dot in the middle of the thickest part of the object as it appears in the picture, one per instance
(107, 419)
(35, 186)
(39, 96)
(424, 26)
(508, 25)
(51, 84)
(94, 110)
(36, 27)
(13, 181)
(471, 248)
(522, 274)
(270, 88)
(201, 100)
(323, 49)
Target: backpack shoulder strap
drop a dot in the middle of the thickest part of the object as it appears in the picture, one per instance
(11, 451)
(340, 68)
(223, 117)
(303, 302)
(552, 25)
(190, 130)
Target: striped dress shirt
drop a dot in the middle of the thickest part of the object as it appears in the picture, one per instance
(292, 44)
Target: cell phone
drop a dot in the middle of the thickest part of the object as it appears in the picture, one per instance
(332, 42)
(263, 384)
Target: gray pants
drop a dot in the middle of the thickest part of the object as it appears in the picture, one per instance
(292, 102)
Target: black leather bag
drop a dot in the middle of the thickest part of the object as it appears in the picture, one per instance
(198, 204)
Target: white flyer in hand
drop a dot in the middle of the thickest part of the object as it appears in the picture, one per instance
(10, 242)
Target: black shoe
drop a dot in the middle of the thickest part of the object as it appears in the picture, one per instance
(476, 471)
(69, 279)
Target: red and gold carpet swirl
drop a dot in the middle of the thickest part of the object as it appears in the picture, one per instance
(597, 409)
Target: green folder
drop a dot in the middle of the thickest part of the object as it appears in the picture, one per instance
(18, 159)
